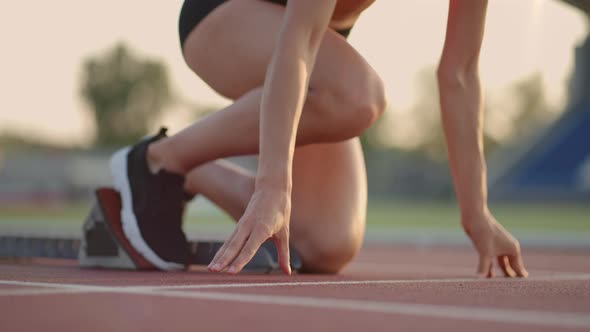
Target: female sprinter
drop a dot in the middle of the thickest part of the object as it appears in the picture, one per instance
(301, 96)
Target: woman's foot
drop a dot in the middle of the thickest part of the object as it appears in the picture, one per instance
(152, 206)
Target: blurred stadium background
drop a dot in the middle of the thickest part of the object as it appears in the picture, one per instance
(75, 89)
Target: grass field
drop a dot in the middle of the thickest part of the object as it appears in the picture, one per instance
(572, 218)
(534, 217)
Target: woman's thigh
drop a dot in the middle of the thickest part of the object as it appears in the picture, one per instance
(231, 48)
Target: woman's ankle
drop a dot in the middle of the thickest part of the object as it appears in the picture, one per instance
(158, 158)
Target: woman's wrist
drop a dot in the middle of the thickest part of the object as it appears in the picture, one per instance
(273, 183)
(474, 215)
(273, 190)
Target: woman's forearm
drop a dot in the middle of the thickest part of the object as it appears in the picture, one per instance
(281, 106)
(462, 117)
(285, 89)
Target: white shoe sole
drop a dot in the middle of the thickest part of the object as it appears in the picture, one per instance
(118, 166)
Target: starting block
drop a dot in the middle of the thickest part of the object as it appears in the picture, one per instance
(104, 245)
(103, 241)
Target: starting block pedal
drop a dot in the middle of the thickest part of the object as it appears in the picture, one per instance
(103, 242)
(104, 245)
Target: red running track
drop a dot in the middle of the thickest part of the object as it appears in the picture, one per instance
(385, 289)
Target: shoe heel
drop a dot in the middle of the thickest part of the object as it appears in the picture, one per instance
(118, 166)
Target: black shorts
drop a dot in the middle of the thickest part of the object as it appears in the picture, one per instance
(193, 11)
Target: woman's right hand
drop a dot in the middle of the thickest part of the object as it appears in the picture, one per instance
(267, 216)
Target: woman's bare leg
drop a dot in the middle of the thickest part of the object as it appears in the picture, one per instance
(328, 200)
(230, 49)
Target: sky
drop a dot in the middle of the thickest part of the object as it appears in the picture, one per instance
(45, 42)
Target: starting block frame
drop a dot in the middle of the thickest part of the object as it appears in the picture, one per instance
(104, 245)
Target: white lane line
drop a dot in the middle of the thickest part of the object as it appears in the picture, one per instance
(220, 285)
(123, 289)
(57, 285)
(38, 291)
(300, 283)
(306, 283)
(561, 277)
(493, 315)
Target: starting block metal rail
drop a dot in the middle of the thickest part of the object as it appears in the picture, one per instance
(104, 245)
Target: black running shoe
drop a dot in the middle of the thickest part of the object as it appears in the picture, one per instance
(152, 206)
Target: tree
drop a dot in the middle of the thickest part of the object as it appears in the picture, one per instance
(532, 109)
(125, 93)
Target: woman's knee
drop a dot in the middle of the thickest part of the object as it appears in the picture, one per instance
(367, 103)
(331, 253)
(354, 106)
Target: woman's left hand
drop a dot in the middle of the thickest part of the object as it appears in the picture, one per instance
(493, 242)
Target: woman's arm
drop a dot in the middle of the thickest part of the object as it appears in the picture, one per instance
(285, 88)
(462, 117)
